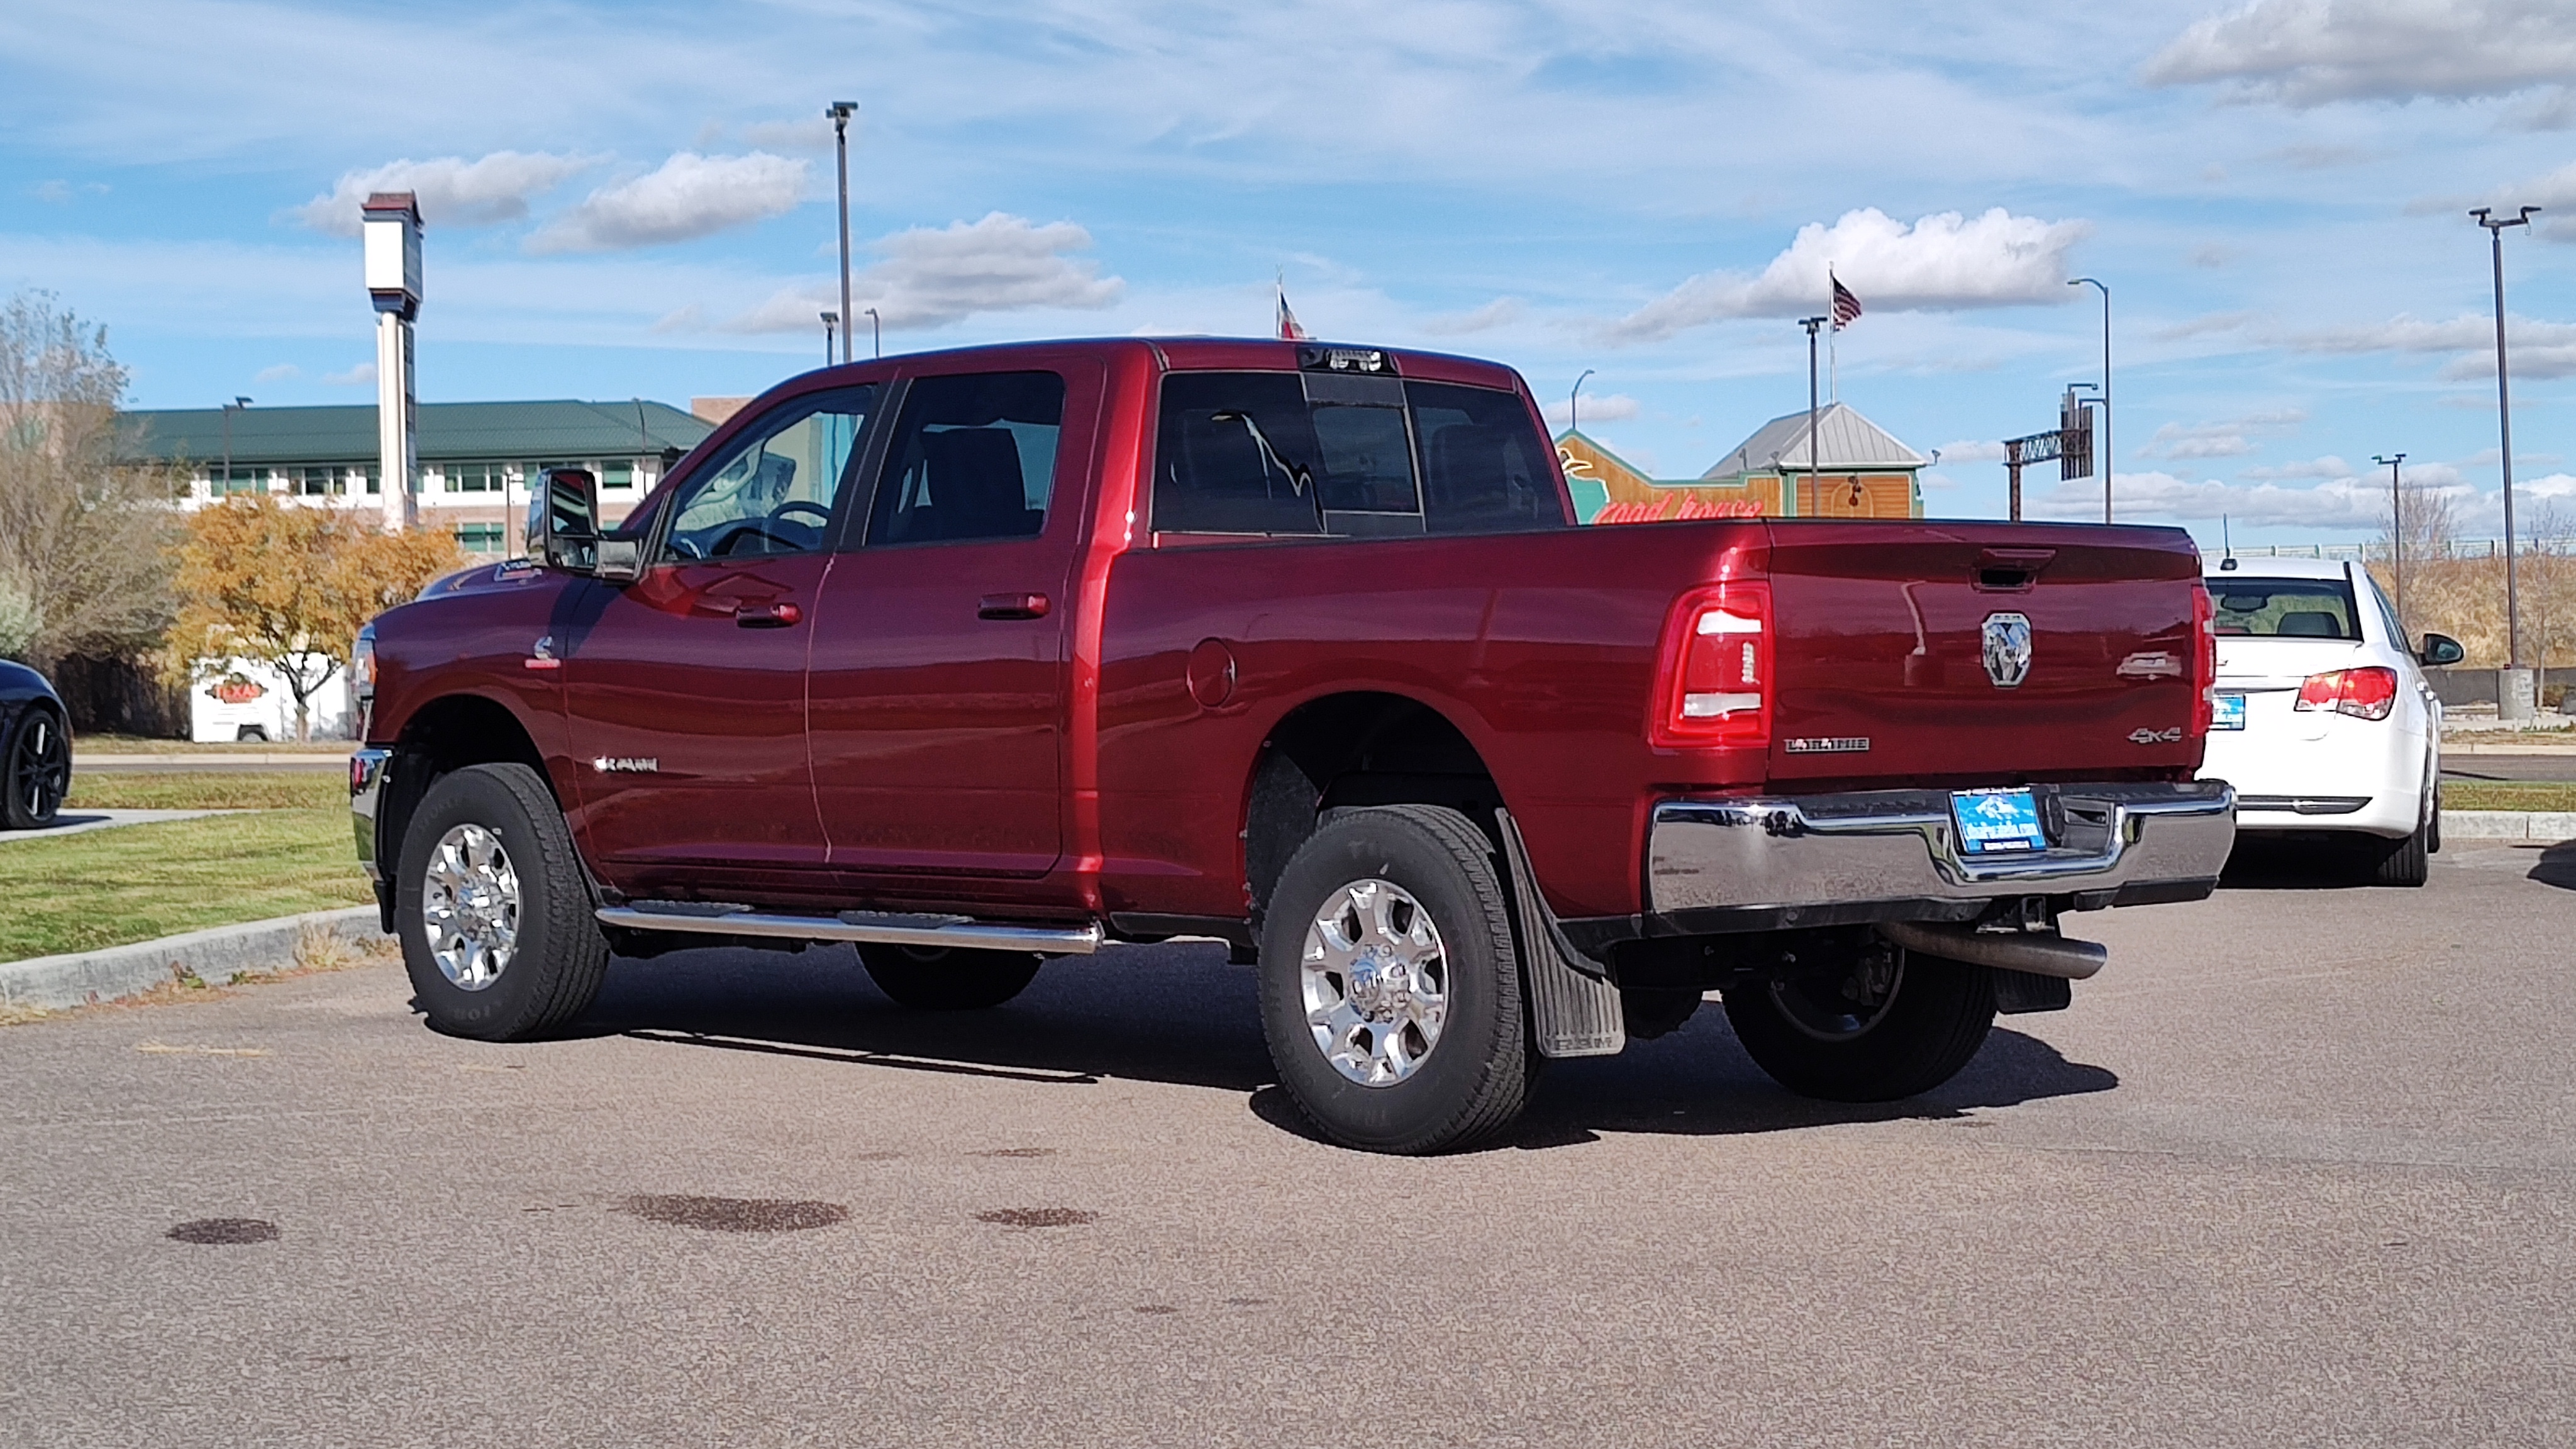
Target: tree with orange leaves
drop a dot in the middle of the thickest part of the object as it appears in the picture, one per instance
(289, 586)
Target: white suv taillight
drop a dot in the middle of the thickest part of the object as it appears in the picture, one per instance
(1713, 680)
(2365, 693)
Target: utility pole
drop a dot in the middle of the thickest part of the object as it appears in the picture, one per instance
(1574, 403)
(2396, 534)
(2516, 699)
(2106, 389)
(840, 112)
(830, 320)
(1789, 505)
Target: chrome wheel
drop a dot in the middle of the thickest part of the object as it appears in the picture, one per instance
(469, 905)
(1376, 982)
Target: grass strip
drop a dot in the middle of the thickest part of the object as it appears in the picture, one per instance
(2508, 794)
(142, 745)
(140, 882)
(207, 790)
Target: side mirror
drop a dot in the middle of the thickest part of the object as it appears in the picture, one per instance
(563, 520)
(2441, 649)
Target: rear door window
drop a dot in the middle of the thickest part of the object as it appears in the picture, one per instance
(1280, 453)
(2285, 608)
(973, 457)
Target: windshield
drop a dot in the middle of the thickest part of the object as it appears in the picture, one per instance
(2285, 608)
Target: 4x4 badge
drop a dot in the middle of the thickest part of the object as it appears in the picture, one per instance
(2007, 651)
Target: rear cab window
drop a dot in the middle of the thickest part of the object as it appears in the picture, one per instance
(1319, 454)
(2284, 608)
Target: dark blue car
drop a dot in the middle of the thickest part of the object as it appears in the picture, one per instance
(35, 748)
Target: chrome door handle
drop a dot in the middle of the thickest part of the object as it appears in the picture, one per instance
(1013, 606)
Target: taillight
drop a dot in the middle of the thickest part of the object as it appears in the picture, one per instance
(1713, 683)
(2365, 693)
(2204, 660)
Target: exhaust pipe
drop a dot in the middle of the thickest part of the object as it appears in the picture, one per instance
(2041, 953)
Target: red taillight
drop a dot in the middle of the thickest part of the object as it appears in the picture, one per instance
(1713, 684)
(2365, 693)
(2204, 660)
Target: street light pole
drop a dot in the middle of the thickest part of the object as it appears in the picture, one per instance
(840, 112)
(2105, 289)
(2504, 440)
(830, 320)
(1789, 505)
(2396, 531)
(1574, 403)
(876, 330)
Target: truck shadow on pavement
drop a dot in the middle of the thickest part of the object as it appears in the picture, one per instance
(2557, 866)
(1182, 1015)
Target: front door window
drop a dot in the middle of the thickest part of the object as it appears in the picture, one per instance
(775, 493)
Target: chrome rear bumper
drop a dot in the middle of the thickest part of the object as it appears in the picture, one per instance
(1815, 860)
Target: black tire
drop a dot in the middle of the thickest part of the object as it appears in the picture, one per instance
(2400, 863)
(1474, 1078)
(2433, 827)
(1931, 1020)
(38, 772)
(559, 956)
(943, 978)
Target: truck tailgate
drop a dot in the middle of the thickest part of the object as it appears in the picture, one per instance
(1883, 662)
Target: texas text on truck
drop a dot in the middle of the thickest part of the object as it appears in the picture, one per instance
(980, 657)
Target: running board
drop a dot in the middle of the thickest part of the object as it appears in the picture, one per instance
(890, 928)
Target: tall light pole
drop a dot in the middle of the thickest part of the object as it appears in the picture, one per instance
(1789, 505)
(840, 112)
(830, 320)
(1574, 403)
(2506, 708)
(2396, 531)
(236, 405)
(2105, 289)
(876, 331)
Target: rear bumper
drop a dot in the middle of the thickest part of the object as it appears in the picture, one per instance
(1819, 860)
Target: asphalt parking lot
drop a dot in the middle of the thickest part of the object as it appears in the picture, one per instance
(2296, 1168)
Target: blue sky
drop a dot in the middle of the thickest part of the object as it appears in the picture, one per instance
(637, 199)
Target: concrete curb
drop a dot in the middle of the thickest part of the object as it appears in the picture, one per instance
(215, 955)
(2547, 826)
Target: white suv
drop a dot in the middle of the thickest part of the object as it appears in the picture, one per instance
(2324, 722)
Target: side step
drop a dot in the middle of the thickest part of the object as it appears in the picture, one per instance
(883, 927)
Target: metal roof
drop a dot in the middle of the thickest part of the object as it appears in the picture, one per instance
(494, 431)
(1845, 442)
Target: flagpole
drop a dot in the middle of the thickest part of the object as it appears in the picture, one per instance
(1833, 342)
(1790, 505)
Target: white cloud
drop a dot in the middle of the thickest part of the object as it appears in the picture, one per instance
(1497, 313)
(2225, 438)
(452, 190)
(277, 373)
(1609, 407)
(2538, 349)
(2162, 497)
(2313, 52)
(362, 375)
(934, 276)
(1971, 450)
(688, 197)
(1942, 262)
(54, 193)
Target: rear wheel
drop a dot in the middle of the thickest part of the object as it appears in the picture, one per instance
(1390, 985)
(39, 771)
(1872, 1025)
(2401, 862)
(943, 978)
(495, 917)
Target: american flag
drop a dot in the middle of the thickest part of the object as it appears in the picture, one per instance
(1289, 331)
(1846, 306)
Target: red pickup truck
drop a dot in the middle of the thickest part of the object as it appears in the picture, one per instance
(979, 657)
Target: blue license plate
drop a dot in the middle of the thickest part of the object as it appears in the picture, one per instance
(1994, 821)
(2230, 713)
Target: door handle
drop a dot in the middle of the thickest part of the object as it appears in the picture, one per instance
(1013, 606)
(766, 616)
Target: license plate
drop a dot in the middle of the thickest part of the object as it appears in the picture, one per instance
(1993, 821)
(2230, 714)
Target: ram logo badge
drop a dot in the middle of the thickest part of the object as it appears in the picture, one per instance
(2007, 649)
(627, 765)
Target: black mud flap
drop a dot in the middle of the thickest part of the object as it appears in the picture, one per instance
(1574, 1007)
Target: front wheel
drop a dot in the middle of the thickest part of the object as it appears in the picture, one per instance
(944, 978)
(1873, 1024)
(1390, 986)
(495, 918)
